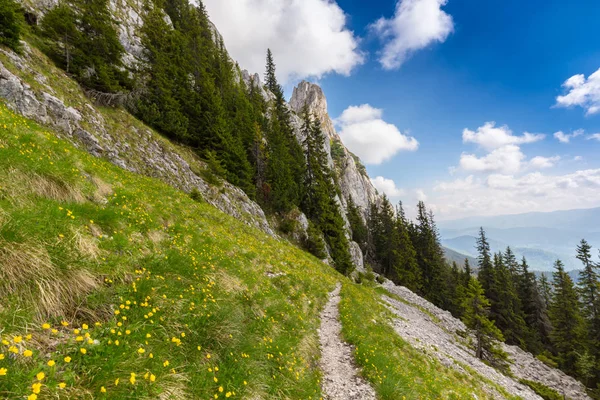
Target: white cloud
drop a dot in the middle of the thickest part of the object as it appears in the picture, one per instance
(507, 159)
(387, 186)
(578, 158)
(595, 136)
(309, 38)
(506, 193)
(582, 92)
(491, 137)
(366, 134)
(415, 25)
(566, 138)
(543, 162)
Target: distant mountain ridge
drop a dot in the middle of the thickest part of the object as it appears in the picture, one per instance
(542, 238)
(584, 220)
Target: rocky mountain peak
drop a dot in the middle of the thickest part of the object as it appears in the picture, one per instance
(311, 95)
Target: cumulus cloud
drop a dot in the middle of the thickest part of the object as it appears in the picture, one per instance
(507, 193)
(387, 186)
(543, 162)
(366, 134)
(582, 92)
(308, 38)
(491, 137)
(566, 138)
(595, 136)
(507, 159)
(415, 25)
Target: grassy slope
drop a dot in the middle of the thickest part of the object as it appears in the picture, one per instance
(155, 277)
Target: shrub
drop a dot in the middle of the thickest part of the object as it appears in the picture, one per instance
(542, 390)
(196, 195)
(313, 243)
(546, 359)
(10, 24)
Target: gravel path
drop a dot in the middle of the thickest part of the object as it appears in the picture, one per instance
(341, 380)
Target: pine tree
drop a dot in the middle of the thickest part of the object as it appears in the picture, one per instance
(535, 312)
(319, 202)
(468, 272)
(475, 316)
(403, 254)
(589, 289)
(567, 334)
(486, 274)
(506, 311)
(11, 22)
(359, 229)
(270, 77)
(430, 257)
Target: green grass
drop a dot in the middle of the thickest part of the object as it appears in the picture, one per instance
(138, 262)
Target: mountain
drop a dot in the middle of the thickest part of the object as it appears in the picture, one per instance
(132, 266)
(541, 237)
(537, 258)
(580, 220)
(459, 258)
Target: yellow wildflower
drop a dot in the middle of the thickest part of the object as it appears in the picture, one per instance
(40, 376)
(117, 382)
(152, 377)
(18, 339)
(141, 351)
(3, 371)
(67, 359)
(64, 323)
(62, 385)
(51, 363)
(36, 388)
(32, 397)
(132, 378)
(82, 350)
(27, 353)
(46, 326)
(102, 389)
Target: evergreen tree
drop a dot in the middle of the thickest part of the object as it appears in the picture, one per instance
(319, 202)
(589, 289)
(270, 78)
(11, 22)
(506, 311)
(85, 42)
(403, 254)
(486, 274)
(475, 316)
(359, 229)
(588, 280)
(430, 257)
(468, 272)
(286, 161)
(536, 335)
(567, 334)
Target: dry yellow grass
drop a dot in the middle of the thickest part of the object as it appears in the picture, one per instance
(28, 270)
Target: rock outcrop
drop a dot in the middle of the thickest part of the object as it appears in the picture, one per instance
(353, 179)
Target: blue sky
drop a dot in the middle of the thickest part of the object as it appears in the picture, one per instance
(468, 62)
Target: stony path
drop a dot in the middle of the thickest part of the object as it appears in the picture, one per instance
(341, 380)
